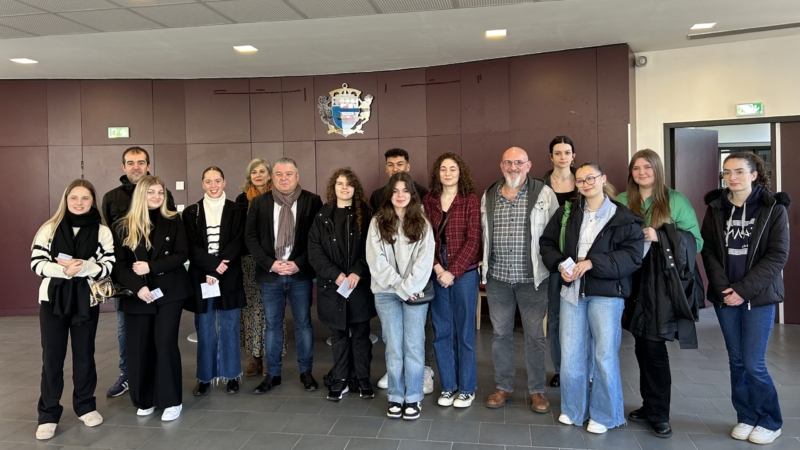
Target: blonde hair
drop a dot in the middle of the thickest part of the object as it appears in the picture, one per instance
(55, 221)
(135, 226)
(252, 165)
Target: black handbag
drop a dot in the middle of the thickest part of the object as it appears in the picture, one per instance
(426, 296)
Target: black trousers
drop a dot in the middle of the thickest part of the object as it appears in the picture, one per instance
(655, 379)
(56, 333)
(154, 360)
(352, 351)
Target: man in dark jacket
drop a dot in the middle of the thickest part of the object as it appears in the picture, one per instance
(116, 202)
(277, 236)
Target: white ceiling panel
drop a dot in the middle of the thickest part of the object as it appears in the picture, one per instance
(70, 5)
(401, 6)
(111, 20)
(244, 11)
(316, 9)
(185, 15)
(11, 8)
(8, 33)
(44, 24)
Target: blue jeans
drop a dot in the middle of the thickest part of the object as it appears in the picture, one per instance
(121, 338)
(553, 307)
(404, 330)
(595, 318)
(218, 353)
(753, 393)
(274, 295)
(453, 319)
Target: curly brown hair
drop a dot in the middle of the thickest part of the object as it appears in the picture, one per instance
(414, 221)
(359, 199)
(466, 184)
(756, 165)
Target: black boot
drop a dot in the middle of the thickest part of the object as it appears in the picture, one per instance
(200, 389)
(232, 386)
(267, 384)
(661, 429)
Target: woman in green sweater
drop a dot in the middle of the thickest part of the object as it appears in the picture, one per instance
(648, 197)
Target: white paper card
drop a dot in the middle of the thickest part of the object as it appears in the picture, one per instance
(646, 248)
(343, 290)
(157, 294)
(568, 265)
(210, 290)
(65, 257)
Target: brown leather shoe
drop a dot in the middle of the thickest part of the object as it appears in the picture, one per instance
(498, 399)
(253, 367)
(539, 403)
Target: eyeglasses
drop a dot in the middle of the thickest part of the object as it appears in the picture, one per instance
(517, 163)
(737, 172)
(590, 181)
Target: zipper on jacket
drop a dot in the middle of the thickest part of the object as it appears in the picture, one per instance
(761, 233)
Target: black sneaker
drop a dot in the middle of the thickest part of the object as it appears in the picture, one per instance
(232, 386)
(365, 388)
(395, 410)
(120, 387)
(337, 390)
(267, 384)
(309, 383)
(411, 411)
(201, 388)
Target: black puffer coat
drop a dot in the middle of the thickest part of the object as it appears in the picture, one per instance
(767, 252)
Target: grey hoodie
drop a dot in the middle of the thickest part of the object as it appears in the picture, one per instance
(414, 261)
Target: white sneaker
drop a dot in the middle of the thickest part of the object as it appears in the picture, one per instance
(45, 431)
(761, 435)
(427, 383)
(146, 412)
(595, 427)
(742, 431)
(91, 419)
(464, 400)
(447, 398)
(383, 383)
(171, 413)
(565, 420)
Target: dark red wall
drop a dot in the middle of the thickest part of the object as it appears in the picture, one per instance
(51, 132)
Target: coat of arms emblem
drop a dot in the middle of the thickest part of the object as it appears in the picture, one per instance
(345, 112)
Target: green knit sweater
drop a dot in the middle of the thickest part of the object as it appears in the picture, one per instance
(683, 214)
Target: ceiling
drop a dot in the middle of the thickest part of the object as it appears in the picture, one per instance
(194, 38)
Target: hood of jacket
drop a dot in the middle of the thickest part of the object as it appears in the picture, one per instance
(714, 198)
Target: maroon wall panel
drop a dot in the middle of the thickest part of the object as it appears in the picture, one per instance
(27, 203)
(102, 165)
(612, 143)
(417, 148)
(217, 111)
(271, 151)
(442, 144)
(443, 97)
(116, 103)
(299, 109)
(483, 153)
(613, 96)
(169, 162)
(554, 90)
(537, 144)
(64, 112)
(304, 154)
(790, 165)
(361, 156)
(64, 164)
(484, 96)
(231, 158)
(403, 97)
(266, 110)
(169, 112)
(367, 83)
(23, 113)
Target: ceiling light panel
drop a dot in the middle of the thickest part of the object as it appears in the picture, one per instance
(495, 33)
(44, 25)
(70, 5)
(244, 11)
(702, 26)
(185, 15)
(245, 48)
(316, 9)
(401, 6)
(10, 33)
(476, 3)
(24, 61)
(12, 8)
(111, 20)
(134, 3)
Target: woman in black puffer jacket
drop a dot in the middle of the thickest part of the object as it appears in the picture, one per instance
(746, 235)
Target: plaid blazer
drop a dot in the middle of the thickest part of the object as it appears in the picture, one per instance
(463, 231)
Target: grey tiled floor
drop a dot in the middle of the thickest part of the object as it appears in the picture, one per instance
(291, 418)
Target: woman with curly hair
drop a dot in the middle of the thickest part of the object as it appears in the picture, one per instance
(454, 212)
(337, 250)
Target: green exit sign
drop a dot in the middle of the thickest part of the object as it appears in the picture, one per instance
(749, 109)
(118, 132)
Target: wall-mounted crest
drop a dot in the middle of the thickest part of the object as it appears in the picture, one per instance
(344, 111)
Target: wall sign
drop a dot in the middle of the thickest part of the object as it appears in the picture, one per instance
(749, 109)
(344, 111)
(118, 132)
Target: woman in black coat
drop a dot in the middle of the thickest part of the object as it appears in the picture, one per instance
(746, 245)
(151, 248)
(215, 231)
(337, 251)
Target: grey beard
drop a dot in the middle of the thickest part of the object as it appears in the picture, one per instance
(512, 183)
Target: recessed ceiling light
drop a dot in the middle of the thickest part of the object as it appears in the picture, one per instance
(24, 61)
(245, 48)
(495, 33)
(702, 26)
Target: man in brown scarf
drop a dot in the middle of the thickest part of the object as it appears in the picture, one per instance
(277, 229)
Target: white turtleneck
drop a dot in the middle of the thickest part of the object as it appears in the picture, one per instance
(213, 210)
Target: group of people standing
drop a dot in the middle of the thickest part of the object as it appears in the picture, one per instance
(564, 246)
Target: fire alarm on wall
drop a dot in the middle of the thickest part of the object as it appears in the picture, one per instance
(641, 61)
